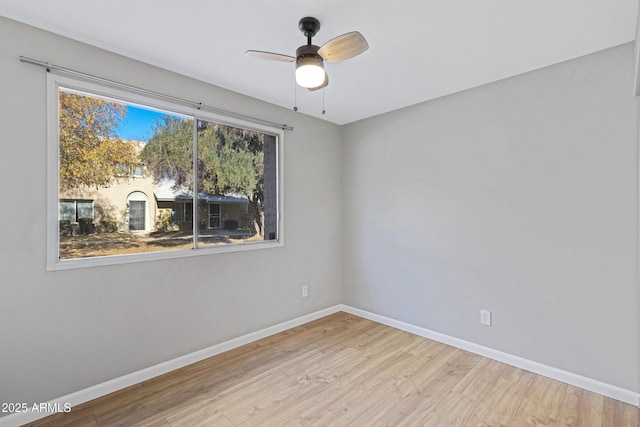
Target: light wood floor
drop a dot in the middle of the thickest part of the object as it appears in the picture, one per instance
(343, 370)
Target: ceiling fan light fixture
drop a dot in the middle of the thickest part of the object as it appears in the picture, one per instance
(310, 71)
(310, 58)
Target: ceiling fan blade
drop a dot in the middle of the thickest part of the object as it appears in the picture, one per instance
(343, 47)
(323, 85)
(270, 55)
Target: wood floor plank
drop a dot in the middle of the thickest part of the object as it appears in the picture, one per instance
(369, 399)
(574, 413)
(343, 370)
(89, 421)
(150, 404)
(620, 414)
(454, 409)
(436, 395)
(429, 387)
(72, 419)
(310, 383)
(200, 414)
(541, 404)
(503, 400)
(264, 390)
(374, 347)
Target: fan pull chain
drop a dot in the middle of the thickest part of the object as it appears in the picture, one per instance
(295, 96)
(323, 102)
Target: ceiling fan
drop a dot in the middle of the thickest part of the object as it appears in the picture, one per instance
(310, 58)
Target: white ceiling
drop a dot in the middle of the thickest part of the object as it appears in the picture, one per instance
(419, 49)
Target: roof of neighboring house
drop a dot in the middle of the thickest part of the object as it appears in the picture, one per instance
(166, 192)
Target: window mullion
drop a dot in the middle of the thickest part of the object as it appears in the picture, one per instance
(194, 190)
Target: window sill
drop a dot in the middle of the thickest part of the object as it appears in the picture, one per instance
(99, 261)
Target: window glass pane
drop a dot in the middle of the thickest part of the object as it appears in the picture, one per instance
(137, 215)
(188, 212)
(178, 211)
(233, 168)
(104, 147)
(85, 209)
(67, 210)
(137, 171)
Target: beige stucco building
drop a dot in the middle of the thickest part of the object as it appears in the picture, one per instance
(136, 203)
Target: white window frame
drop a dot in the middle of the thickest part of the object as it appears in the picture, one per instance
(54, 82)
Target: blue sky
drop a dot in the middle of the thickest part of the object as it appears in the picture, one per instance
(138, 123)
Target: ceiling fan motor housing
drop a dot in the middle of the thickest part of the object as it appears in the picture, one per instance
(308, 54)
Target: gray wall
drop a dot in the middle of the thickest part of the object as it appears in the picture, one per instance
(63, 331)
(519, 197)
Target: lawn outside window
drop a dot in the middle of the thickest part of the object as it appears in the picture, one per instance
(134, 178)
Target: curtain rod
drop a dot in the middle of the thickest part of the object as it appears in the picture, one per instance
(139, 90)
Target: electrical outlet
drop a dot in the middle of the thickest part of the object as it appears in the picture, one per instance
(485, 317)
(305, 291)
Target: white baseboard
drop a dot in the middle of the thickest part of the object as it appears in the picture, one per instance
(82, 396)
(586, 383)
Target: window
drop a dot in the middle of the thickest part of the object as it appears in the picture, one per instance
(135, 194)
(183, 211)
(214, 215)
(132, 170)
(72, 210)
